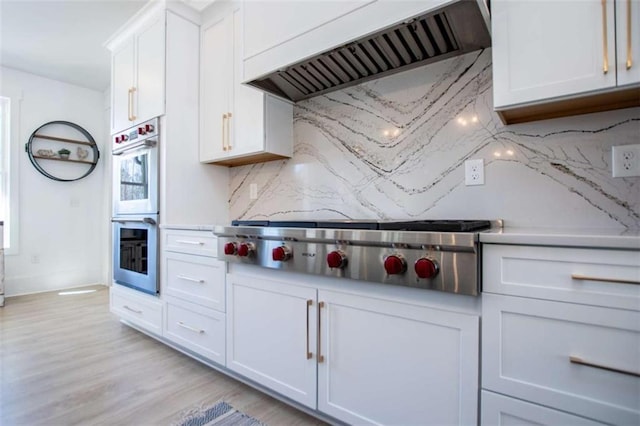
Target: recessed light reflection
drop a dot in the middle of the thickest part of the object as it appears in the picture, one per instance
(508, 153)
(474, 119)
(497, 154)
(391, 133)
(463, 121)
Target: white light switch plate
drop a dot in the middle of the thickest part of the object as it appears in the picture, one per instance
(474, 172)
(625, 160)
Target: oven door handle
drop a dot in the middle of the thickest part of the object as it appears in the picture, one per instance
(148, 220)
(147, 143)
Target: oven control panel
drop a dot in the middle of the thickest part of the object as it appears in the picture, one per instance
(143, 134)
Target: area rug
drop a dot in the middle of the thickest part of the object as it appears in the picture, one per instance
(219, 414)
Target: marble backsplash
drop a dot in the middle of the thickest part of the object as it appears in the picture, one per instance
(395, 148)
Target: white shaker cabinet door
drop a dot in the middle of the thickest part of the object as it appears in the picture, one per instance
(393, 363)
(628, 41)
(271, 331)
(549, 49)
(150, 57)
(122, 78)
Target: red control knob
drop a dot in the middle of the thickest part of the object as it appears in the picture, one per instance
(246, 249)
(230, 249)
(148, 128)
(141, 130)
(118, 139)
(395, 264)
(281, 254)
(426, 268)
(124, 138)
(337, 259)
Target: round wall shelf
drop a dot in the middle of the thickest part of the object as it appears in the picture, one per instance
(58, 142)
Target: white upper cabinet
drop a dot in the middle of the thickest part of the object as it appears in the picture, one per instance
(238, 124)
(546, 52)
(628, 41)
(137, 71)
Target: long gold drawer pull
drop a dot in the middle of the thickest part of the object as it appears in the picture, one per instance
(135, 311)
(193, 243)
(309, 304)
(130, 106)
(606, 280)
(605, 47)
(195, 280)
(320, 356)
(224, 139)
(188, 327)
(629, 58)
(580, 361)
(229, 147)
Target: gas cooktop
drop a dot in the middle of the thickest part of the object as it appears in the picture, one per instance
(414, 225)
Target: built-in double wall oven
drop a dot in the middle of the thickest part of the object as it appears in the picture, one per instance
(135, 207)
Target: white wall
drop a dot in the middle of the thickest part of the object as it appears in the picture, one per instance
(62, 232)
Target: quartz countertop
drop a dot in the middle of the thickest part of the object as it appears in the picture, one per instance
(188, 227)
(587, 238)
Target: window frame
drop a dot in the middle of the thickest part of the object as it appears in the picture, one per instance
(11, 169)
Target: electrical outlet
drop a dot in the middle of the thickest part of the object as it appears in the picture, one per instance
(474, 172)
(253, 191)
(625, 160)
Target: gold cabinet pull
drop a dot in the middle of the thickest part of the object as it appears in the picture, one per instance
(309, 304)
(229, 147)
(320, 357)
(606, 280)
(629, 58)
(605, 49)
(580, 361)
(224, 121)
(130, 105)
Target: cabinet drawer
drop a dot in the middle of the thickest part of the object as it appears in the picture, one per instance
(199, 329)
(202, 243)
(140, 309)
(195, 279)
(502, 410)
(546, 273)
(526, 350)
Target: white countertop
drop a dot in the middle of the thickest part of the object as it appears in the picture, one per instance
(591, 238)
(188, 227)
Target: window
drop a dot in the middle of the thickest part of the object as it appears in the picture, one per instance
(9, 110)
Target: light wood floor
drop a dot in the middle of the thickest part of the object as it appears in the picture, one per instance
(66, 360)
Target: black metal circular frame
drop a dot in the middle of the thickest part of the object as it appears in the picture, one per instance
(89, 142)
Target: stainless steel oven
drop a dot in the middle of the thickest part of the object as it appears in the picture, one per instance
(135, 170)
(135, 252)
(135, 207)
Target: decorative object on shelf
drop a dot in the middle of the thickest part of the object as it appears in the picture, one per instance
(82, 153)
(64, 153)
(45, 153)
(54, 138)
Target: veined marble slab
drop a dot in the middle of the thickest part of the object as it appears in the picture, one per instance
(395, 148)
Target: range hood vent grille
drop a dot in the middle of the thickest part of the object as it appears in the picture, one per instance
(451, 31)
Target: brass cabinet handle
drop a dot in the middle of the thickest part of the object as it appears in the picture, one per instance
(606, 280)
(580, 361)
(130, 106)
(229, 147)
(224, 121)
(629, 58)
(320, 357)
(188, 327)
(309, 304)
(605, 60)
(135, 311)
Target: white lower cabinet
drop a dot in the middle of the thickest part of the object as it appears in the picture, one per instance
(142, 310)
(197, 328)
(560, 331)
(500, 410)
(359, 359)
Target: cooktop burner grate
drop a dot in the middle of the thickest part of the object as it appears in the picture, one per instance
(414, 225)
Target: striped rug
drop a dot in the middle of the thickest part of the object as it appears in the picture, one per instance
(219, 414)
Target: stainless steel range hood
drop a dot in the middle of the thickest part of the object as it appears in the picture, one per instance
(455, 29)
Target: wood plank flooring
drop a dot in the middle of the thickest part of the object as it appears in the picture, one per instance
(66, 360)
